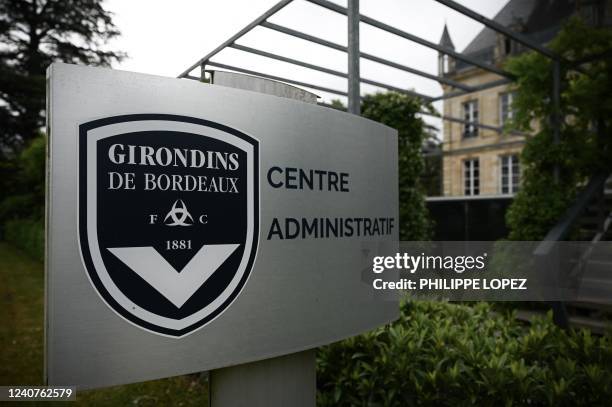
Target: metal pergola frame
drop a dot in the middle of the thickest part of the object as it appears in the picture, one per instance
(354, 55)
(354, 78)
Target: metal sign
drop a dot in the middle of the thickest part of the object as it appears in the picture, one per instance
(193, 226)
(184, 195)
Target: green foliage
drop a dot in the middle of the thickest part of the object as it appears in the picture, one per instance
(35, 33)
(28, 235)
(22, 301)
(585, 146)
(337, 104)
(33, 163)
(399, 111)
(431, 177)
(24, 189)
(440, 354)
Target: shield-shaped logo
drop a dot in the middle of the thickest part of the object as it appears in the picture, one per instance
(168, 217)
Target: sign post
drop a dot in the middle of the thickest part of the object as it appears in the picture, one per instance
(195, 227)
(288, 380)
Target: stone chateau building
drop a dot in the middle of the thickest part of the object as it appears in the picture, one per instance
(482, 161)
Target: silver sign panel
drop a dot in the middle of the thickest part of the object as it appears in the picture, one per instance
(193, 227)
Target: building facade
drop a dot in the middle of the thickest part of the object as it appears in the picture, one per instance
(485, 161)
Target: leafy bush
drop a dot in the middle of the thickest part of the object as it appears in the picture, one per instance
(449, 355)
(28, 235)
(22, 199)
(585, 108)
(400, 112)
(23, 183)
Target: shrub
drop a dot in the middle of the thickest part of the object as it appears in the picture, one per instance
(28, 235)
(401, 112)
(23, 184)
(23, 197)
(449, 355)
(584, 147)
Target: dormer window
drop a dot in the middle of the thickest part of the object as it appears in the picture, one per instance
(507, 46)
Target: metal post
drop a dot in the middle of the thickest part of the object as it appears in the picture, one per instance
(556, 102)
(560, 317)
(284, 381)
(288, 380)
(354, 99)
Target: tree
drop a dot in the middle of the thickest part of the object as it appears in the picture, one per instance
(33, 34)
(26, 181)
(399, 111)
(585, 146)
(431, 176)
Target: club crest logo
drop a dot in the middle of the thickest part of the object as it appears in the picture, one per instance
(178, 215)
(168, 217)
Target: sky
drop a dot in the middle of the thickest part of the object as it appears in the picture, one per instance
(165, 37)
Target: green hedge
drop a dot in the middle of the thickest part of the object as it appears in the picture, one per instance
(28, 235)
(440, 354)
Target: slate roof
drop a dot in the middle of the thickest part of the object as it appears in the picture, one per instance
(445, 40)
(541, 20)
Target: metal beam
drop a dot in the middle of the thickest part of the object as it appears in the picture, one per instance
(425, 98)
(563, 227)
(556, 113)
(436, 78)
(458, 120)
(327, 70)
(476, 88)
(342, 48)
(288, 60)
(385, 27)
(484, 147)
(332, 106)
(307, 37)
(278, 6)
(354, 97)
(276, 78)
(499, 28)
(454, 119)
(476, 124)
(467, 197)
(593, 58)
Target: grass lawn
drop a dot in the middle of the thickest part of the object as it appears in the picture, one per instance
(21, 344)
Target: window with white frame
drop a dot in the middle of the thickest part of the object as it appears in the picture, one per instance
(470, 115)
(506, 112)
(444, 64)
(510, 174)
(471, 176)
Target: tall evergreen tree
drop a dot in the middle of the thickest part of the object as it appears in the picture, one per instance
(33, 34)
